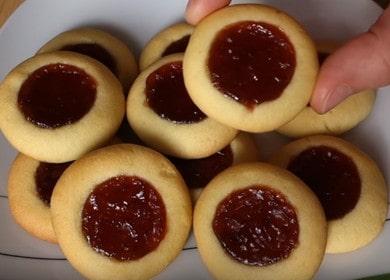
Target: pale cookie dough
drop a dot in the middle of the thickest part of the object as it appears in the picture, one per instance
(125, 65)
(157, 46)
(28, 209)
(75, 186)
(70, 141)
(302, 262)
(365, 221)
(184, 140)
(340, 119)
(265, 116)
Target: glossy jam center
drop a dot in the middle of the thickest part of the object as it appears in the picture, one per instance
(256, 226)
(332, 175)
(95, 51)
(56, 95)
(168, 97)
(46, 177)
(178, 46)
(197, 173)
(124, 218)
(251, 62)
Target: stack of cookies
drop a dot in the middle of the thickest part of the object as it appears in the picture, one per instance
(125, 211)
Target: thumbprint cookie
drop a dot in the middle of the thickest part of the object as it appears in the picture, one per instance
(258, 221)
(30, 185)
(348, 183)
(162, 114)
(100, 45)
(173, 39)
(121, 212)
(57, 106)
(251, 67)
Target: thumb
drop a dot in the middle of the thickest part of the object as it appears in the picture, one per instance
(362, 63)
(198, 9)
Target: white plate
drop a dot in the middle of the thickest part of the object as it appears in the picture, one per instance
(35, 22)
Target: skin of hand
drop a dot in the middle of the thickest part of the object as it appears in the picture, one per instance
(362, 63)
(198, 9)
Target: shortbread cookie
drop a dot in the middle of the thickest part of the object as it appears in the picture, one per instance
(121, 212)
(162, 114)
(56, 106)
(197, 173)
(173, 39)
(100, 45)
(30, 185)
(340, 119)
(348, 183)
(258, 221)
(250, 67)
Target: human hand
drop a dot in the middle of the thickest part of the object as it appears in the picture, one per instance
(362, 63)
(198, 9)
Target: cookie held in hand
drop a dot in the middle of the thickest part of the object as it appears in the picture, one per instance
(251, 67)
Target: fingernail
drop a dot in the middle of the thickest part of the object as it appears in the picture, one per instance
(335, 97)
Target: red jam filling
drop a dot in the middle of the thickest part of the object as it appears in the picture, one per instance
(333, 177)
(56, 95)
(95, 51)
(178, 46)
(256, 226)
(46, 177)
(167, 96)
(251, 62)
(124, 218)
(197, 173)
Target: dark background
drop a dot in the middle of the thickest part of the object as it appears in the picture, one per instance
(383, 3)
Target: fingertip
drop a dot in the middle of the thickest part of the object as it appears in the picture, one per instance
(324, 100)
(198, 9)
(318, 100)
(192, 13)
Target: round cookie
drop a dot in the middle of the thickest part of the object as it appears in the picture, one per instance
(348, 183)
(250, 67)
(30, 185)
(340, 119)
(56, 106)
(121, 212)
(173, 39)
(162, 114)
(197, 173)
(100, 45)
(258, 221)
